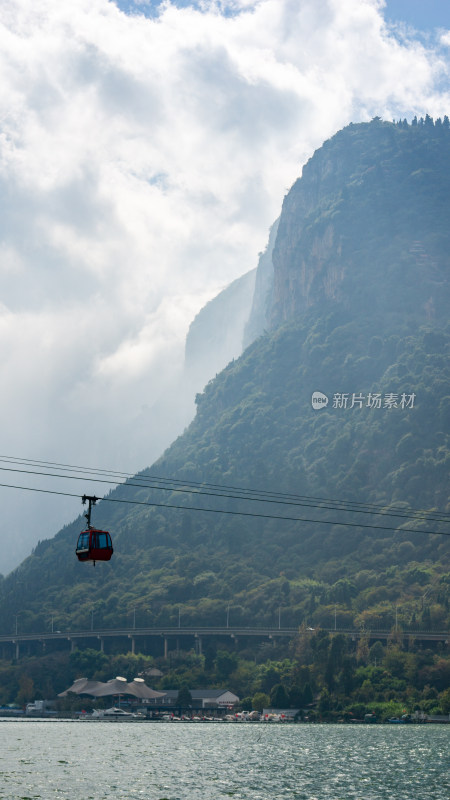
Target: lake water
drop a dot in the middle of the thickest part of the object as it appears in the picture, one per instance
(67, 760)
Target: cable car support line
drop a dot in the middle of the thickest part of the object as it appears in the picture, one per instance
(246, 495)
(194, 487)
(237, 513)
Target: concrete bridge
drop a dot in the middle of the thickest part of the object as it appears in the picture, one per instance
(197, 634)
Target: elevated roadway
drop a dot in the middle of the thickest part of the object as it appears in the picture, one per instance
(198, 633)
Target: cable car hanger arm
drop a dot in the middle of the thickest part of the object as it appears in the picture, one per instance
(92, 499)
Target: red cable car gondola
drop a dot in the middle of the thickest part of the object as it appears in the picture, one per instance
(93, 544)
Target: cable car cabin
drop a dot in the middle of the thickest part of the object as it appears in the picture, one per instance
(94, 545)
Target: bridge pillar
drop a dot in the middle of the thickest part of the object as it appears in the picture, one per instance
(198, 644)
(102, 644)
(166, 647)
(17, 650)
(133, 644)
(72, 644)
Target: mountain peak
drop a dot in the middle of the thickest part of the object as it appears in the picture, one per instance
(366, 221)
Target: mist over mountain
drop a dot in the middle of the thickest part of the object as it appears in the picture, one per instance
(215, 336)
(258, 320)
(358, 312)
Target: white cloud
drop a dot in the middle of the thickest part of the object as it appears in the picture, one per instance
(142, 161)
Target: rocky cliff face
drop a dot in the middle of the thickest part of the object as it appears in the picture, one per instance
(365, 227)
(365, 217)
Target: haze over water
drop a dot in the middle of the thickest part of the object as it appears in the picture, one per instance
(156, 761)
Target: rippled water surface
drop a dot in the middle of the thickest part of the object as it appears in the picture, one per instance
(91, 761)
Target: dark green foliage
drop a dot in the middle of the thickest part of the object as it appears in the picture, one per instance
(225, 663)
(87, 662)
(279, 697)
(184, 697)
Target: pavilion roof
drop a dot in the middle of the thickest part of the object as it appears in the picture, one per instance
(137, 688)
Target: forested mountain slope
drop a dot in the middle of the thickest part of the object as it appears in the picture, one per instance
(359, 314)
